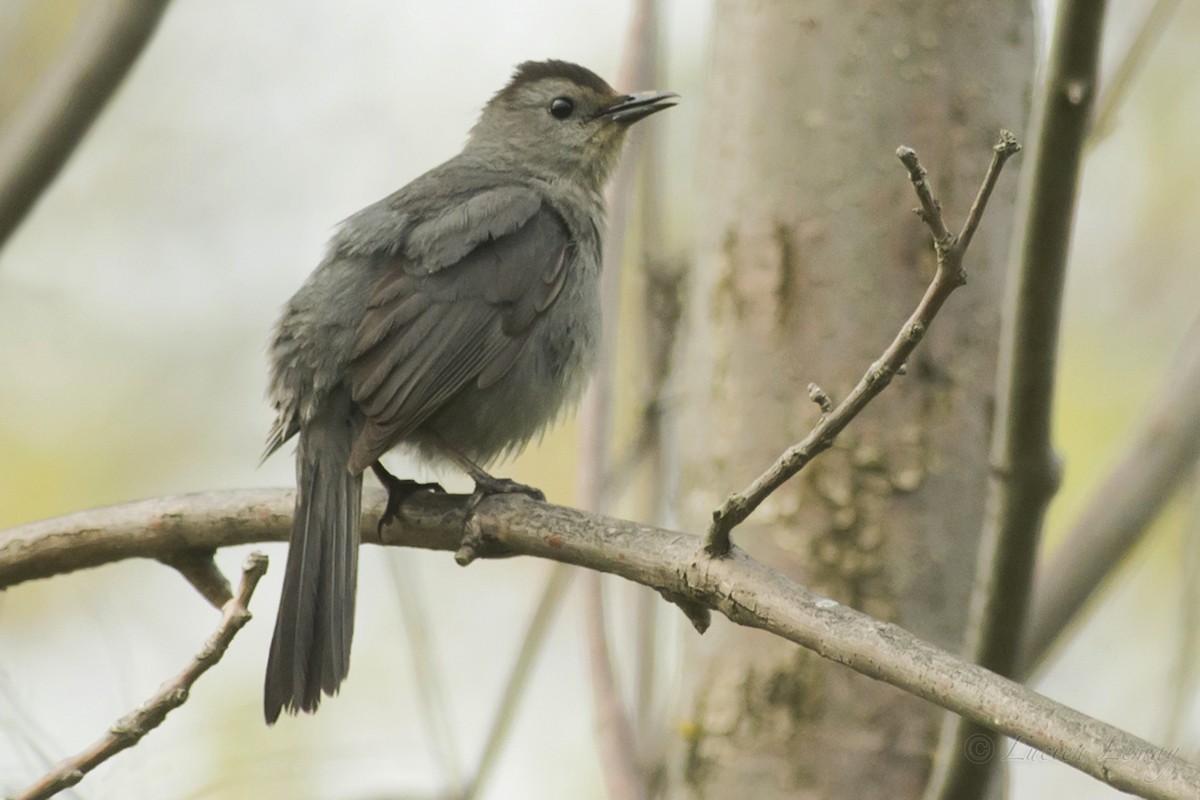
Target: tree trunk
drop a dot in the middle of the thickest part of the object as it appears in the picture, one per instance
(808, 260)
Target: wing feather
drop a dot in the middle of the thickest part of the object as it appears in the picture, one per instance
(432, 328)
(395, 314)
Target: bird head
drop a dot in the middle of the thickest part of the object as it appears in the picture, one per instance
(561, 121)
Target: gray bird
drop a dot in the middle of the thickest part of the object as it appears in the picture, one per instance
(454, 319)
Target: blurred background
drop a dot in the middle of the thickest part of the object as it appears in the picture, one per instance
(137, 298)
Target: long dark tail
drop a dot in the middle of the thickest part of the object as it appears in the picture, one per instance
(310, 651)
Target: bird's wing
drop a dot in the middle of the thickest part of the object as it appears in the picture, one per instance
(450, 313)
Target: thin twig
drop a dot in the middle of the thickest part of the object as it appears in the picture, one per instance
(1025, 469)
(1186, 680)
(1007, 146)
(1115, 88)
(747, 592)
(930, 211)
(596, 408)
(431, 695)
(46, 129)
(1149, 473)
(130, 729)
(624, 467)
(596, 417)
(614, 733)
(646, 608)
(949, 276)
(661, 315)
(200, 570)
(557, 582)
(20, 727)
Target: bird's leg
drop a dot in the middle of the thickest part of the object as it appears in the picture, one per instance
(398, 491)
(486, 484)
(474, 541)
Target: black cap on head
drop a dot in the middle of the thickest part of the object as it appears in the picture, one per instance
(530, 71)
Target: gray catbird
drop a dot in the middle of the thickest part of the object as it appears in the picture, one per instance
(454, 318)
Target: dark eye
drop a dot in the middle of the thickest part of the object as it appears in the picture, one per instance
(561, 107)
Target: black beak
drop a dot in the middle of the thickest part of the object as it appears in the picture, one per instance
(632, 107)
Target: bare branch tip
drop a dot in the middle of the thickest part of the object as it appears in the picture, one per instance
(127, 731)
(908, 157)
(474, 542)
(253, 568)
(1007, 144)
(256, 564)
(818, 396)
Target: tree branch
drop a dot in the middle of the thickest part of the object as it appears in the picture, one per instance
(557, 583)
(1115, 88)
(614, 731)
(949, 276)
(46, 129)
(747, 592)
(1186, 678)
(1150, 471)
(595, 409)
(200, 570)
(130, 729)
(1025, 468)
(431, 692)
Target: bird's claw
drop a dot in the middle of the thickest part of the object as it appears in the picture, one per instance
(486, 486)
(475, 542)
(398, 490)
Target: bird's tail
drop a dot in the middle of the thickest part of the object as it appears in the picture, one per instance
(310, 651)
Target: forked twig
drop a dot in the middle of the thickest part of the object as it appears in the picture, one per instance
(949, 276)
(130, 729)
(747, 592)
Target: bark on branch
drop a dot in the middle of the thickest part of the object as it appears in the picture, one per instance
(44, 132)
(1026, 470)
(745, 591)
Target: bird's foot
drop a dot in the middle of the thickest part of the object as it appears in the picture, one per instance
(486, 486)
(475, 542)
(399, 490)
